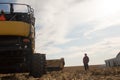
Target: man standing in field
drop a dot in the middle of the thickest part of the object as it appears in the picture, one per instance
(85, 62)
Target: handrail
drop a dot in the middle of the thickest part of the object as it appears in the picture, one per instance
(16, 4)
(30, 10)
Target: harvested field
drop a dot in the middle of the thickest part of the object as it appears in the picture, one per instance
(71, 73)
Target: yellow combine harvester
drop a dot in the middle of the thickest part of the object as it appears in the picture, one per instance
(17, 41)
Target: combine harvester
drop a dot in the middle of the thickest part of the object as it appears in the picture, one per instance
(17, 41)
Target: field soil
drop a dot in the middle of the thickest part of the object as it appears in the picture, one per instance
(95, 72)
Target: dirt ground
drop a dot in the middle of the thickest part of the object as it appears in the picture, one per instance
(96, 72)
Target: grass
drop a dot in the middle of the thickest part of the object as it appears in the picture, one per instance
(96, 72)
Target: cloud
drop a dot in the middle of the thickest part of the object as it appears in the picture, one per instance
(54, 20)
(102, 50)
(69, 28)
(51, 50)
(106, 44)
(105, 15)
(104, 23)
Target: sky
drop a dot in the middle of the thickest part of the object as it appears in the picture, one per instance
(71, 28)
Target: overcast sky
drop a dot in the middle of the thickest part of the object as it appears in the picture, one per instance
(70, 28)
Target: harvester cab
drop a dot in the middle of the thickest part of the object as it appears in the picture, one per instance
(18, 12)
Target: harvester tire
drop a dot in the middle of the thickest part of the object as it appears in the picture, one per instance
(38, 65)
